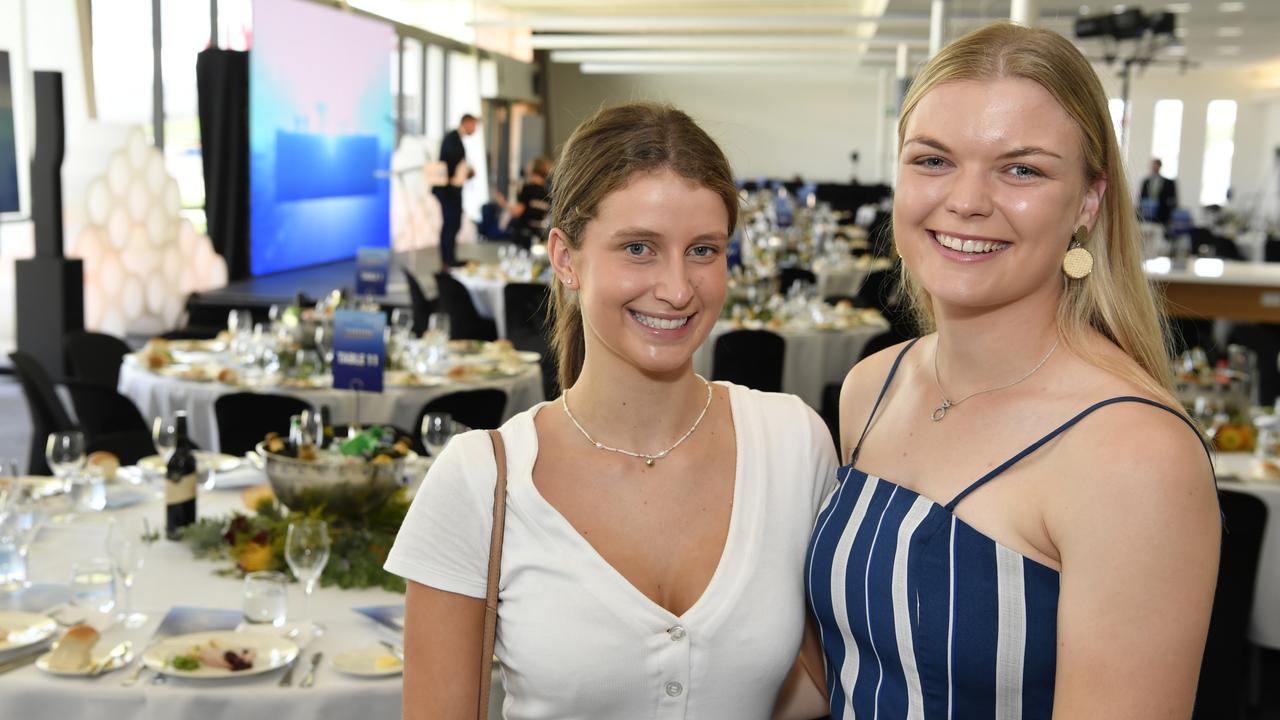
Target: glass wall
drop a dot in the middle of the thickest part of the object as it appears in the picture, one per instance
(1166, 139)
(1219, 149)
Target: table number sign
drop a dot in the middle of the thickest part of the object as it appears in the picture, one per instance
(359, 350)
(372, 266)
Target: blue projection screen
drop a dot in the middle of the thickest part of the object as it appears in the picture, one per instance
(320, 135)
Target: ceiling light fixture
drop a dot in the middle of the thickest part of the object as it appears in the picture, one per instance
(1231, 7)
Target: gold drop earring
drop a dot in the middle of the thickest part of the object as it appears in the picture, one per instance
(1078, 262)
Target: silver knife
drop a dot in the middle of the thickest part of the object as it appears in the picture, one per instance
(287, 679)
(310, 678)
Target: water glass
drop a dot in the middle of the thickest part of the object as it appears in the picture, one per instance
(438, 323)
(93, 585)
(312, 428)
(88, 490)
(265, 597)
(127, 549)
(306, 363)
(324, 344)
(437, 429)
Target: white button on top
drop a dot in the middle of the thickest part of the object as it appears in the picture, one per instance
(674, 688)
(677, 633)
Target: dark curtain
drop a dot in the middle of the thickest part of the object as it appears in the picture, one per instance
(222, 85)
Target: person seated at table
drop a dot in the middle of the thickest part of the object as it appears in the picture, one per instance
(1027, 525)
(532, 203)
(656, 522)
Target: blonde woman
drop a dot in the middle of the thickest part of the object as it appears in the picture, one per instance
(1027, 524)
(656, 523)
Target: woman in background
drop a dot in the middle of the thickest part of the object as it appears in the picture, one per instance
(656, 523)
(1027, 525)
(532, 204)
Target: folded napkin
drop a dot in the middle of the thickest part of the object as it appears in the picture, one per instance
(245, 475)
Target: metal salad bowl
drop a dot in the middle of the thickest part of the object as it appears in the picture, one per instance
(347, 486)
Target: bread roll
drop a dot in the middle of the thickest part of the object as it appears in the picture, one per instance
(75, 650)
(106, 462)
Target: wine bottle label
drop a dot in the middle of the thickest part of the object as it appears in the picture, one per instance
(180, 491)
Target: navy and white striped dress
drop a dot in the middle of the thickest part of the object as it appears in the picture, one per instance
(922, 615)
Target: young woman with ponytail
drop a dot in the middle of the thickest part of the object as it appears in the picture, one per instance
(656, 522)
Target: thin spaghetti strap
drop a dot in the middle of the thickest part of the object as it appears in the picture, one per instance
(951, 506)
(853, 456)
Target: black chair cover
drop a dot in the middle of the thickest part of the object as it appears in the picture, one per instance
(244, 419)
(750, 357)
(95, 357)
(464, 321)
(47, 412)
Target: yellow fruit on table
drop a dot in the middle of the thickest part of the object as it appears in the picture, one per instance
(255, 557)
(1233, 438)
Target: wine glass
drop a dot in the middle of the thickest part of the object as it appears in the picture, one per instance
(312, 427)
(438, 323)
(65, 453)
(306, 549)
(437, 430)
(127, 549)
(402, 321)
(324, 344)
(165, 437)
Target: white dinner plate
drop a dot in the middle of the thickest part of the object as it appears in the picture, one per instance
(272, 652)
(218, 462)
(369, 661)
(23, 629)
(43, 664)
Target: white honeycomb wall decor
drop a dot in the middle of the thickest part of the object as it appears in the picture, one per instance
(141, 257)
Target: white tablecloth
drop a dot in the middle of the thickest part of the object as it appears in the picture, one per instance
(171, 577)
(162, 395)
(813, 359)
(1234, 473)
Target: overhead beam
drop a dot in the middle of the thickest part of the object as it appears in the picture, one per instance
(641, 23)
(718, 42)
(729, 68)
(699, 56)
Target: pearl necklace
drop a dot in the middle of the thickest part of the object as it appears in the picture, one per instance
(648, 458)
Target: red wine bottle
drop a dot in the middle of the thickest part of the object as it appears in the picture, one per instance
(180, 482)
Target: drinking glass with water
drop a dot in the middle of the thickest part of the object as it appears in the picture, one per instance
(93, 585)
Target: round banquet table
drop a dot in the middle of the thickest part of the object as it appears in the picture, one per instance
(172, 578)
(814, 358)
(156, 394)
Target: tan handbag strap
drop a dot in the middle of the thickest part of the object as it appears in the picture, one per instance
(495, 570)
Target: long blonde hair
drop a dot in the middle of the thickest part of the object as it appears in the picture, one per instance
(1116, 300)
(601, 156)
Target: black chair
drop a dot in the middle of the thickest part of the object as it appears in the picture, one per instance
(789, 276)
(422, 305)
(43, 405)
(750, 357)
(101, 410)
(244, 419)
(886, 339)
(527, 305)
(95, 357)
(1224, 669)
(191, 332)
(477, 409)
(464, 321)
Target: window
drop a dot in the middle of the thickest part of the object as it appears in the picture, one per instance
(122, 61)
(464, 97)
(1116, 106)
(1166, 136)
(411, 87)
(1219, 148)
(183, 35)
(435, 125)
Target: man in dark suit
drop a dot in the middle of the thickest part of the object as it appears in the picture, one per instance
(1160, 191)
(454, 156)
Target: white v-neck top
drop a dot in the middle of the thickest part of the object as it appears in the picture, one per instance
(575, 638)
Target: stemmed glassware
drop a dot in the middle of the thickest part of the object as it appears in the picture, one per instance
(437, 429)
(165, 436)
(127, 549)
(65, 453)
(21, 515)
(306, 549)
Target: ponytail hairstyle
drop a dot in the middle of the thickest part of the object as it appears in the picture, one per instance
(602, 156)
(1116, 299)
